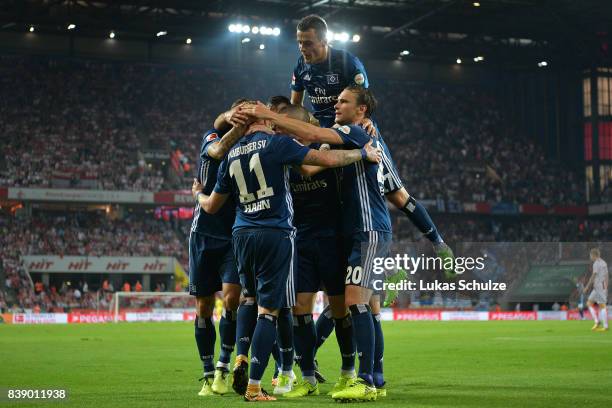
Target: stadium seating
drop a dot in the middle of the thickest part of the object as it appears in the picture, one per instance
(93, 234)
(86, 124)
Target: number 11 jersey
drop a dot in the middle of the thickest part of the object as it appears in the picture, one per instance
(256, 173)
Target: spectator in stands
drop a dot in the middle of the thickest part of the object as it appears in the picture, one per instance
(138, 286)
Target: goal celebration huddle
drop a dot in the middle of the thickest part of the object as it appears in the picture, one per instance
(290, 203)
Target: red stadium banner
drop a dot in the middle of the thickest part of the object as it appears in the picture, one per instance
(570, 210)
(189, 316)
(93, 317)
(481, 208)
(513, 316)
(173, 197)
(533, 209)
(575, 315)
(413, 314)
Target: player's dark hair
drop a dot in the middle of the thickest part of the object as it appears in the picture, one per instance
(364, 97)
(238, 102)
(296, 112)
(274, 101)
(316, 23)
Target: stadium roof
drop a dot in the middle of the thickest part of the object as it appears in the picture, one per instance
(505, 31)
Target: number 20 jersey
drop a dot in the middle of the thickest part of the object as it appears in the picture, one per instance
(256, 173)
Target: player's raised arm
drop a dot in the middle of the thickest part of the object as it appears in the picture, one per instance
(304, 131)
(309, 171)
(231, 117)
(218, 150)
(341, 158)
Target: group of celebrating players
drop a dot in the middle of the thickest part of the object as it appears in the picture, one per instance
(288, 204)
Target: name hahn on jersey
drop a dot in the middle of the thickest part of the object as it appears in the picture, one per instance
(246, 149)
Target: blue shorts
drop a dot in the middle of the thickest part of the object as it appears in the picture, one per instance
(320, 266)
(392, 181)
(361, 250)
(211, 263)
(266, 263)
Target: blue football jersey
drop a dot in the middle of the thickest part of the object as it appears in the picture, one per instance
(364, 207)
(256, 173)
(316, 201)
(325, 81)
(220, 224)
(391, 177)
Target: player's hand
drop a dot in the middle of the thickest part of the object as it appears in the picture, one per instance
(324, 147)
(374, 154)
(196, 188)
(259, 111)
(236, 117)
(369, 127)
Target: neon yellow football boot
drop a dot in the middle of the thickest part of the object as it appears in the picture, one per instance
(220, 383)
(303, 389)
(340, 384)
(206, 390)
(356, 390)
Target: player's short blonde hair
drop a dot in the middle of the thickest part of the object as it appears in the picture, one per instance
(595, 252)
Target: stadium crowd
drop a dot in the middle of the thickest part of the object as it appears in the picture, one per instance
(92, 123)
(97, 235)
(76, 234)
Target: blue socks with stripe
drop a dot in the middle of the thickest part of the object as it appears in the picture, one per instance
(285, 338)
(205, 337)
(379, 350)
(344, 336)
(324, 326)
(227, 335)
(305, 339)
(363, 333)
(245, 326)
(263, 339)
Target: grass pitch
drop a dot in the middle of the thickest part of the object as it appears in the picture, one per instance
(427, 364)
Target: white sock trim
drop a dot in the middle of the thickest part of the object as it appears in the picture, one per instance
(348, 373)
(310, 379)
